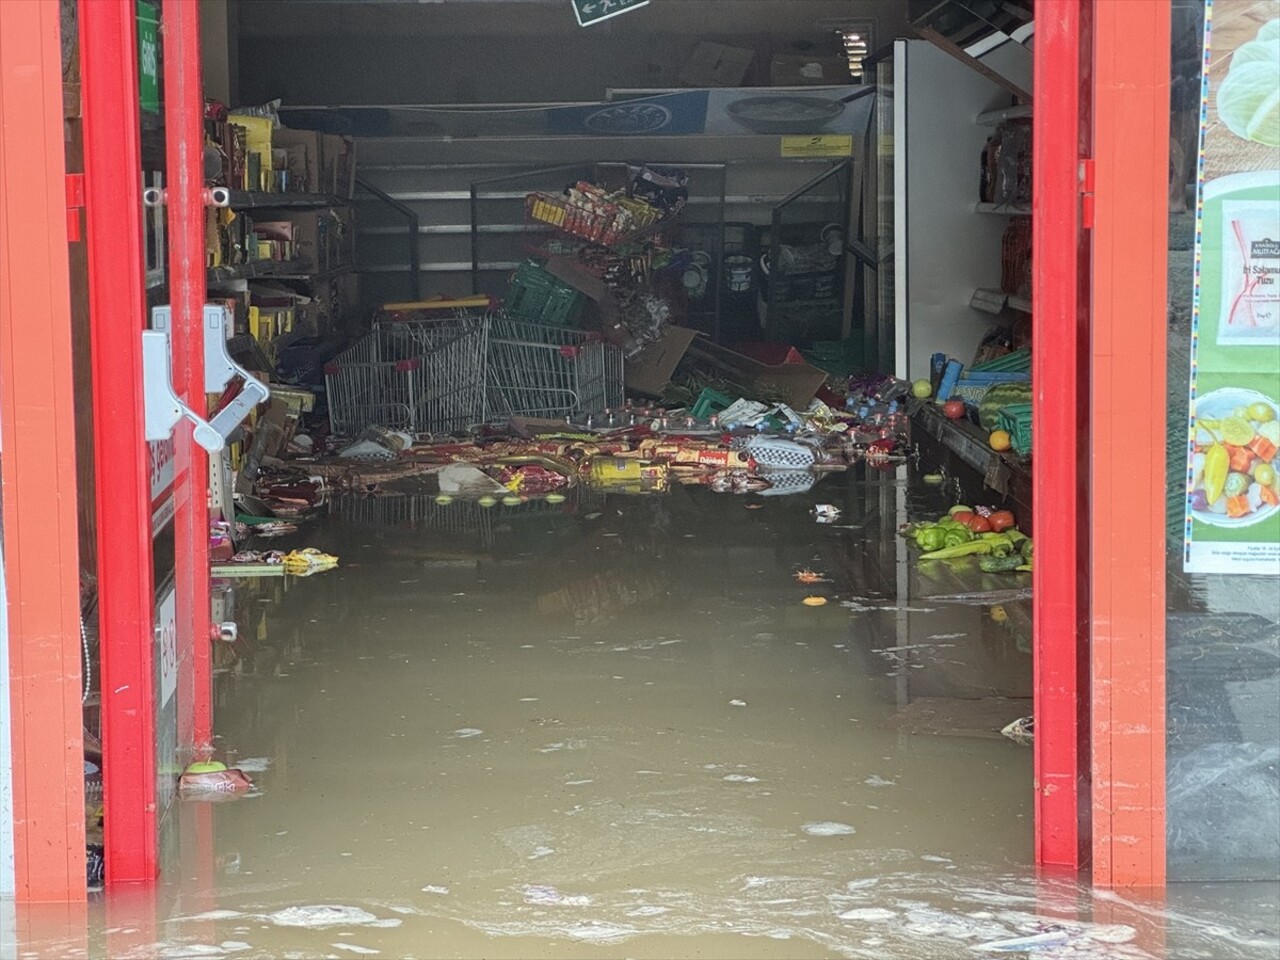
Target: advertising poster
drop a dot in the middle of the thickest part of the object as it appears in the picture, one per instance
(1232, 518)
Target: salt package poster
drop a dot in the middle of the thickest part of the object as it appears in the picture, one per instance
(1232, 516)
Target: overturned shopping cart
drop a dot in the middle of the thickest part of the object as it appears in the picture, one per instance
(420, 377)
(537, 370)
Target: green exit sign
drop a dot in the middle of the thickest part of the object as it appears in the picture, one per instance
(593, 11)
(148, 57)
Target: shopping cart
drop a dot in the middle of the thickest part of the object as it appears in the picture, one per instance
(421, 377)
(537, 370)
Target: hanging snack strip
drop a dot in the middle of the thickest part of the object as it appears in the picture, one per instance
(592, 214)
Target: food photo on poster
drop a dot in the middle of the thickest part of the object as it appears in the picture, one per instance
(1232, 515)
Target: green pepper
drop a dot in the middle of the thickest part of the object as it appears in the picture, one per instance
(959, 550)
(1028, 549)
(931, 538)
(957, 535)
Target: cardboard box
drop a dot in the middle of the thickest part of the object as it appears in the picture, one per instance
(716, 65)
(798, 70)
(792, 383)
(303, 149)
(650, 372)
(339, 171)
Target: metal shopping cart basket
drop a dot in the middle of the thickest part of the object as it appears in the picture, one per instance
(420, 377)
(537, 370)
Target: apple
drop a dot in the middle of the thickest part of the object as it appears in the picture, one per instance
(953, 409)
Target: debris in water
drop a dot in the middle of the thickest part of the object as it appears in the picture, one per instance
(737, 703)
(548, 896)
(327, 915)
(806, 575)
(1021, 731)
(828, 828)
(434, 888)
(467, 732)
(814, 601)
(740, 778)
(1036, 941)
(872, 914)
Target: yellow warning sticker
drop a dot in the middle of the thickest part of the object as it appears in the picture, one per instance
(818, 145)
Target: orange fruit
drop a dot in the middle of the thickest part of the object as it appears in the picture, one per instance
(1000, 440)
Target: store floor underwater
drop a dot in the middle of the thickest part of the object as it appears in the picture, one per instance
(612, 728)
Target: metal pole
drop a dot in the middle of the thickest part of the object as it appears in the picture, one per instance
(185, 198)
(117, 309)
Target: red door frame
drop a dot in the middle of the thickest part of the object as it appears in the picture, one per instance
(37, 416)
(113, 168)
(1129, 356)
(1060, 610)
(185, 200)
(117, 309)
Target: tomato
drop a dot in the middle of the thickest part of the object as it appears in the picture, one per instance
(980, 525)
(1001, 521)
(963, 516)
(953, 409)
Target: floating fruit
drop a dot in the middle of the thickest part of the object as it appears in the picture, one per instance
(444, 499)
(1000, 440)
(814, 601)
(555, 498)
(487, 501)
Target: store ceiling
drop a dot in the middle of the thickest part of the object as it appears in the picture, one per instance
(438, 19)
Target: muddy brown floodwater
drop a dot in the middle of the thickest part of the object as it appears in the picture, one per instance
(611, 728)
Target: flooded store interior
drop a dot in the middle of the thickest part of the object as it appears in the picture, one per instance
(620, 533)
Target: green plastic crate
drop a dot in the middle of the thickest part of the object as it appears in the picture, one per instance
(1016, 419)
(536, 295)
(709, 402)
(1017, 361)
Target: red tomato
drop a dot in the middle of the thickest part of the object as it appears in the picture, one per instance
(979, 525)
(1001, 521)
(964, 516)
(953, 409)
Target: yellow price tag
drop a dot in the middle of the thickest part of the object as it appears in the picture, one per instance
(818, 145)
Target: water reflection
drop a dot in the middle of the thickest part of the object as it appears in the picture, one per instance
(611, 729)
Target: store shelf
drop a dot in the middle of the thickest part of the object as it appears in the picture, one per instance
(254, 200)
(316, 277)
(994, 301)
(965, 444)
(1004, 209)
(992, 117)
(258, 268)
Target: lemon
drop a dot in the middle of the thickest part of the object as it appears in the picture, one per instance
(1237, 431)
(1262, 412)
(206, 766)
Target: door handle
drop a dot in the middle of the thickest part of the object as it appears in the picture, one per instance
(164, 408)
(219, 368)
